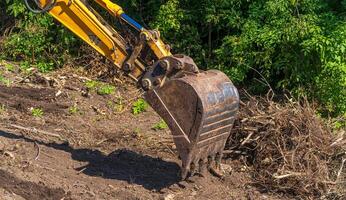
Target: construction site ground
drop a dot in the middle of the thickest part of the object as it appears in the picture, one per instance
(89, 146)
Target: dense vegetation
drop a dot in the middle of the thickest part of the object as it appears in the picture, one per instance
(290, 45)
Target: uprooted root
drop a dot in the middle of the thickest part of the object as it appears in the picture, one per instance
(289, 147)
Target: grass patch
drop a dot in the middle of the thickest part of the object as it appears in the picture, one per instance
(92, 85)
(100, 88)
(5, 81)
(117, 106)
(9, 67)
(105, 90)
(161, 125)
(73, 110)
(139, 106)
(37, 112)
(137, 133)
(2, 109)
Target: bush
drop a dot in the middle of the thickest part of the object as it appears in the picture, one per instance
(296, 46)
(36, 40)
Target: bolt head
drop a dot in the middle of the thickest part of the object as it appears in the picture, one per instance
(179, 65)
(146, 84)
(164, 64)
(127, 67)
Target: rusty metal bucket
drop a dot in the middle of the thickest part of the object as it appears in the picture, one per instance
(200, 110)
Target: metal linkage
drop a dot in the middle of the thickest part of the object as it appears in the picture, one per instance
(47, 8)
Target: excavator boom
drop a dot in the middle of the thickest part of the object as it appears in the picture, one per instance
(198, 106)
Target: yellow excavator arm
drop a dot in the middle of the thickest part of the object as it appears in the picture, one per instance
(198, 106)
(90, 27)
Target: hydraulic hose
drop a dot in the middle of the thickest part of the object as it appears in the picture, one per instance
(48, 7)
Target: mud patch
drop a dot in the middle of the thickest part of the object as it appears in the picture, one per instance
(29, 190)
(22, 99)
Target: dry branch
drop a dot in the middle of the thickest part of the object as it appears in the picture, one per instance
(290, 149)
(38, 151)
(34, 130)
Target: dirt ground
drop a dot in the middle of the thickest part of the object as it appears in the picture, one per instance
(94, 152)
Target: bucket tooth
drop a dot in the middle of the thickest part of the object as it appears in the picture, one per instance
(200, 110)
(193, 169)
(218, 158)
(203, 166)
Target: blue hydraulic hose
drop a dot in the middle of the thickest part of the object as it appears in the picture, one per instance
(131, 21)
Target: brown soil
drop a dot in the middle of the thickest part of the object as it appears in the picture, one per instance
(96, 152)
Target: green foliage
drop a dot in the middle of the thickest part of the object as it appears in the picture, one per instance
(73, 110)
(37, 112)
(117, 106)
(92, 85)
(9, 67)
(36, 39)
(161, 125)
(139, 106)
(137, 132)
(338, 125)
(100, 88)
(2, 109)
(5, 81)
(296, 46)
(105, 90)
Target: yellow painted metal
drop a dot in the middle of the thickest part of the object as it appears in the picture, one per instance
(111, 7)
(159, 48)
(90, 27)
(81, 20)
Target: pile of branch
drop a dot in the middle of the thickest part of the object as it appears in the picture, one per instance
(290, 149)
(97, 66)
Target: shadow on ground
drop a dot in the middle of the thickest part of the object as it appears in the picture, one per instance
(27, 189)
(125, 165)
